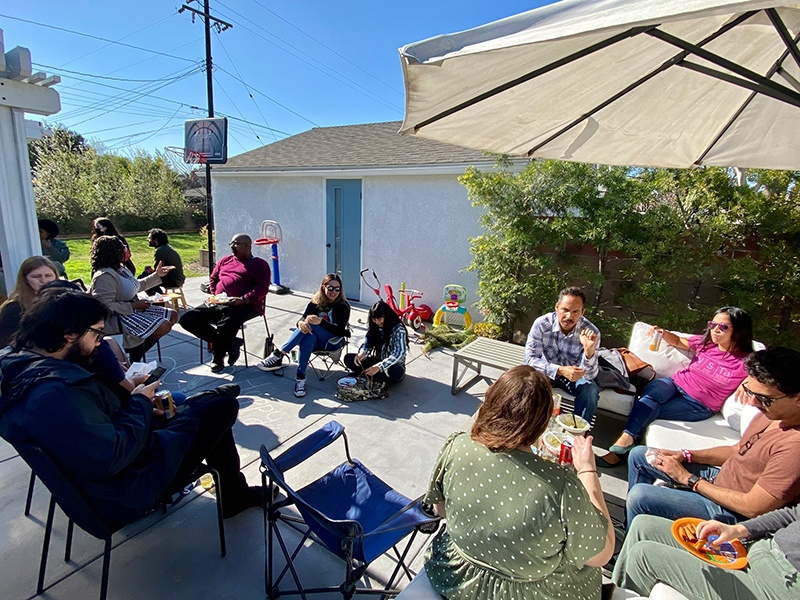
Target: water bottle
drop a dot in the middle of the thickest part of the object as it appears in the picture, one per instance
(655, 343)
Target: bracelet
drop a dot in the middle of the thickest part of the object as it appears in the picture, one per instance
(687, 455)
(587, 471)
(694, 487)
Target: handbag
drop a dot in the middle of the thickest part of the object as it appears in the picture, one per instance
(640, 372)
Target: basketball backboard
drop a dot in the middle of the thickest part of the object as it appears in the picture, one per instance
(208, 137)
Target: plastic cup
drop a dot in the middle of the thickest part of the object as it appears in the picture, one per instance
(207, 481)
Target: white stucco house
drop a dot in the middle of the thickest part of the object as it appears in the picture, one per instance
(354, 197)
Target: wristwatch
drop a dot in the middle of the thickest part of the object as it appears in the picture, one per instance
(693, 481)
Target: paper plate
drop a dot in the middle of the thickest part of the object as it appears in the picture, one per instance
(347, 382)
(730, 555)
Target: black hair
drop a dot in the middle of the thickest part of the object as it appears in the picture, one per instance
(60, 284)
(159, 235)
(107, 253)
(775, 367)
(49, 226)
(742, 334)
(110, 229)
(57, 313)
(572, 290)
(377, 337)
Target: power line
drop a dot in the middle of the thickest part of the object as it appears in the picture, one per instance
(322, 68)
(308, 35)
(96, 37)
(58, 70)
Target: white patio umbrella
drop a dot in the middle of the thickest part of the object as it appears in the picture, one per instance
(670, 83)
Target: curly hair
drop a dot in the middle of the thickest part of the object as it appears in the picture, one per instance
(107, 252)
(515, 410)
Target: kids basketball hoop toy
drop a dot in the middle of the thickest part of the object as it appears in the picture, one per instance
(271, 236)
(453, 312)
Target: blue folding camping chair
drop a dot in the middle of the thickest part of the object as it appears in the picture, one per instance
(349, 510)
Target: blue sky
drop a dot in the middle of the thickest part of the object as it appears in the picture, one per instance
(284, 67)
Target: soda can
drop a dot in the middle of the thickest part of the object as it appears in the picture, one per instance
(164, 402)
(565, 456)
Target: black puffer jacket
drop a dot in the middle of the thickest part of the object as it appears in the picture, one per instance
(111, 452)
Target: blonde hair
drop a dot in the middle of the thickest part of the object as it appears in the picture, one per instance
(320, 299)
(23, 294)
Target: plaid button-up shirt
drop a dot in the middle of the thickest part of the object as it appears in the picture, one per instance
(548, 348)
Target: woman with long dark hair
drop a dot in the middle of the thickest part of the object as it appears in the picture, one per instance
(518, 527)
(699, 390)
(104, 226)
(141, 323)
(382, 356)
(323, 326)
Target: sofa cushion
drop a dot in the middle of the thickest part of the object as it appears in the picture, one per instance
(675, 435)
(667, 360)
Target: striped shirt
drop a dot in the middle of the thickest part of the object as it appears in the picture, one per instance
(394, 352)
(548, 348)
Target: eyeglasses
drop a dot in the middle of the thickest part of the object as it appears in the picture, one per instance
(333, 288)
(723, 327)
(232, 244)
(100, 334)
(765, 401)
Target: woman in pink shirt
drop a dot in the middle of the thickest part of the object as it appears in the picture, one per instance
(699, 390)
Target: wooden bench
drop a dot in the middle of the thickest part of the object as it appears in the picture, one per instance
(483, 352)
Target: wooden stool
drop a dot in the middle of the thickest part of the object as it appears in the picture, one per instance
(176, 294)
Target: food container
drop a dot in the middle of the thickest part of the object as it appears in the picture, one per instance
(572, 423)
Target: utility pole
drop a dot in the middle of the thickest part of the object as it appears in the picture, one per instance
(208, 22)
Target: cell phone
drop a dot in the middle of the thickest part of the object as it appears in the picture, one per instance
(155, 375)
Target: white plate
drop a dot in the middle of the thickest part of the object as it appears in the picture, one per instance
(347, 382)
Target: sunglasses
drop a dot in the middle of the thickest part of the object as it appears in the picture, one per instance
(333, 288)
(100, 334)
(749, 443)
(723, 327)
(765, 401)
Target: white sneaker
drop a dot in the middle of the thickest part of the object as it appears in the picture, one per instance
(273, 362)
(300, 387)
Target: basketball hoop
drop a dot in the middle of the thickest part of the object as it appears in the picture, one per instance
(183, 160)
(266, 241)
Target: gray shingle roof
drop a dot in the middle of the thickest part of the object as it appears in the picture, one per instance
(355, 146)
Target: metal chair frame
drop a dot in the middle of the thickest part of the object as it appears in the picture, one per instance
(244, 340)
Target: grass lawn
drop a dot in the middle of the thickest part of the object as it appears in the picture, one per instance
(187, 245)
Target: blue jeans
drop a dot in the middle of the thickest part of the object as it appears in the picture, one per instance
(318, 339)
(668, 502)
(586, 395)
(664, 399)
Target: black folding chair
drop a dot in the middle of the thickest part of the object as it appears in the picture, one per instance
(80, 512)
(326, 506)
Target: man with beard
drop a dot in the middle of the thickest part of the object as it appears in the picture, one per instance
(167, 256)
(244, 280)
(562, 345)
(123, 457)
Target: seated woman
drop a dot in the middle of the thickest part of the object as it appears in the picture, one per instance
(33, 274)
(323, 326)
(651, 554)
(141, 323)
(382, 356)
(699, 390)
(517, 526)
(52, 247)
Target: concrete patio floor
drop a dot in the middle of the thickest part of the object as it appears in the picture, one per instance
(176, 556)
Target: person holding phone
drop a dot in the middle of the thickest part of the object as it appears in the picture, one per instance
(123, 457)
(382, 356)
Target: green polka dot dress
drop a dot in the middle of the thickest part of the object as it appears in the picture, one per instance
(517, 527)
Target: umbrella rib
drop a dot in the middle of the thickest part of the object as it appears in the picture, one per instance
(534, 74)
(780, 27)
(663, 67)
(760, 80)
(782, 95)
(772, 70)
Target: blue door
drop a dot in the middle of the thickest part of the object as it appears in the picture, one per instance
(343, 228)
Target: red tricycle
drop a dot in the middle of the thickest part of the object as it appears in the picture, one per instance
(410, 314)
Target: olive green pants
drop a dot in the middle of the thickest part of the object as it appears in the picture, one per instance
(651, 554)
